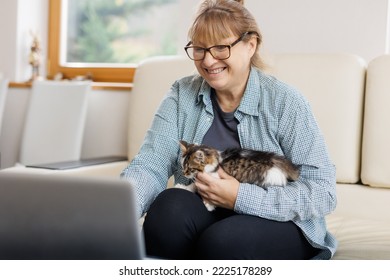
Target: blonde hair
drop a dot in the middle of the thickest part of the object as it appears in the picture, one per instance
(219, 19)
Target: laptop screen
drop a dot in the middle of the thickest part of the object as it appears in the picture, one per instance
(59, 217)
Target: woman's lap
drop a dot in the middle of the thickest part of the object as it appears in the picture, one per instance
(178, 226)
(250, 237)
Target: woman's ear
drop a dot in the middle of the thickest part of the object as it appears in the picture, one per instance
(252, 44)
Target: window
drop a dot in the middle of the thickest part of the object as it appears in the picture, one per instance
(105, 39)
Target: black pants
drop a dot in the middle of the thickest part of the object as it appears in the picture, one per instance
(178, 226)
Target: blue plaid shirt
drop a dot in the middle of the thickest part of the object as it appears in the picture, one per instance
(272, 117)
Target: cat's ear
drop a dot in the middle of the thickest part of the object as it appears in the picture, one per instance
(183, 146)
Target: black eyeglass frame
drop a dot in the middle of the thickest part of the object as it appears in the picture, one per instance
(188, 46)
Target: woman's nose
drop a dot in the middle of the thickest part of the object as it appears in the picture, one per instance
(208, 58)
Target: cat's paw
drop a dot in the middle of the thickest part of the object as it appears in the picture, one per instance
(190, 187)
(210, 207)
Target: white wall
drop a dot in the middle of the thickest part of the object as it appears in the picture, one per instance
(355, 26)
(17, 19)
(8, 23)
(360, 27)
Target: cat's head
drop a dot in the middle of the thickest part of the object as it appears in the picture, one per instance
(198, 158)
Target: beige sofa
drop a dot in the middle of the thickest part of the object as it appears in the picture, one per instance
(349, 98)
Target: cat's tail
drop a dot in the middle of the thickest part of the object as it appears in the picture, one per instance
(288, 168)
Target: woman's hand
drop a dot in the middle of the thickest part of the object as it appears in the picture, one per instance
(220, 192)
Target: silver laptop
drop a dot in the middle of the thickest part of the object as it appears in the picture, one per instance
(54, 217)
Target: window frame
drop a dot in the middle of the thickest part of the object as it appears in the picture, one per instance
(99, 74)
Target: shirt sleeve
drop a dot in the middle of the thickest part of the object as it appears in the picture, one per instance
(151, 168)
(313, 194)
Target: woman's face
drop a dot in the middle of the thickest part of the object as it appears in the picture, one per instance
(229, 75)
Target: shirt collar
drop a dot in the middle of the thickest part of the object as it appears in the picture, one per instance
(250, 101)
(204, 93)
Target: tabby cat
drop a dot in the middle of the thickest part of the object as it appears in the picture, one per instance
(247, 166)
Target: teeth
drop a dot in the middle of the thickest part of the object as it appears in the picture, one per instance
(215, 71)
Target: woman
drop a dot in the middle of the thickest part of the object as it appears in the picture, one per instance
(232, 103)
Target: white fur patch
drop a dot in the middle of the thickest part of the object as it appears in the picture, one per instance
(209, 206)
(215, 175)
(275, 177)
(190, 187)
(209, 168)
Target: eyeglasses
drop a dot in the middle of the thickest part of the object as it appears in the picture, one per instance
(219, 52)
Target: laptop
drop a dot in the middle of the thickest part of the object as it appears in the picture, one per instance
(56, 217)
(78, 163)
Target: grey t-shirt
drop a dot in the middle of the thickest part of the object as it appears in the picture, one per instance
(223, 131)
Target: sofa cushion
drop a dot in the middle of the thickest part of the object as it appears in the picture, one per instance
(360, 239)
(376, 132)
(152, 81)
(334, 86)
(361, 222)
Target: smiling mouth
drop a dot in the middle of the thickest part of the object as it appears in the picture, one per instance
(215, 71)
